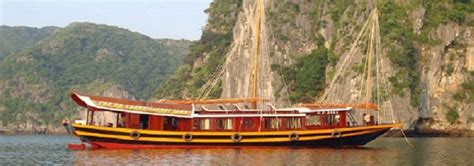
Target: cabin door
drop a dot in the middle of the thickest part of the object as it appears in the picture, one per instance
(144, 121)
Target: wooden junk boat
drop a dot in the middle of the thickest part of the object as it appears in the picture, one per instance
(223, 123)
(191, 124)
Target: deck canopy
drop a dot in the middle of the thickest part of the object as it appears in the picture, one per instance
(131, 106)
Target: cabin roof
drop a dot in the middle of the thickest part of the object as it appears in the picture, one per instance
(236, 107)
(131, 106)
(297, 109)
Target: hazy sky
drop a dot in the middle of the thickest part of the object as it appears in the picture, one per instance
(175, 19)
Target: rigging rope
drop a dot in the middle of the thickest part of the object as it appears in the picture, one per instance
(213, 84)
(346, 59)
(406, 139)
(371, 30)
(215, 76)
(363, 76)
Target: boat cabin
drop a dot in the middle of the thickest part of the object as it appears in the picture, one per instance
(181, 117)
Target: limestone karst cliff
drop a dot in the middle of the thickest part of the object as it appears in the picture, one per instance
(427, 47)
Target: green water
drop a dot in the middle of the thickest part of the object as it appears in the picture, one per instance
(41, 149)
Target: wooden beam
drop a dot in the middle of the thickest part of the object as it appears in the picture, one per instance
(368, 106)
(213, 101)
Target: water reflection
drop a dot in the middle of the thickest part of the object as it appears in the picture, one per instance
(21, 150)
(273, 156)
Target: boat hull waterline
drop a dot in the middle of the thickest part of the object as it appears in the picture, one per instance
(94, 137)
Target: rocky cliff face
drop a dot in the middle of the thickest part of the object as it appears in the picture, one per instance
(427, 62)
(238, 83)
(446, 77)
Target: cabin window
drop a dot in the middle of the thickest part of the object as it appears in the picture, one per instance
(267, 123)
(225, 124)
(313, 120)
(331, 119)
(170, 123)
(202, 124)
(196, 124)
(205, 124)
(271, 123)
(337, 119)
(175, 123)
(121, 120)
(248, 123)
(144, 121)
(292, 123)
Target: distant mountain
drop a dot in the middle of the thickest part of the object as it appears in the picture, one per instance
(91, 58)
(13, 39)
(176, 47)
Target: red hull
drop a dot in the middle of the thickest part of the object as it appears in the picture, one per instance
(108, 145)
(76, 146)
(83, 146)
(112, 146)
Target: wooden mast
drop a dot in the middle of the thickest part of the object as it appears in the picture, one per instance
(256, 52)
(368, 89)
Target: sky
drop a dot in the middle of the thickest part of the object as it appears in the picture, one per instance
(175, 19)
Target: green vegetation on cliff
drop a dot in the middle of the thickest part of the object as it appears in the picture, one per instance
(402, 42)
(452, 115)
(86, 57)
(295, 25)
(306, 78)
(444, 11)
(401, 50)
(210, 50)
(467, 91)
(13, 39)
